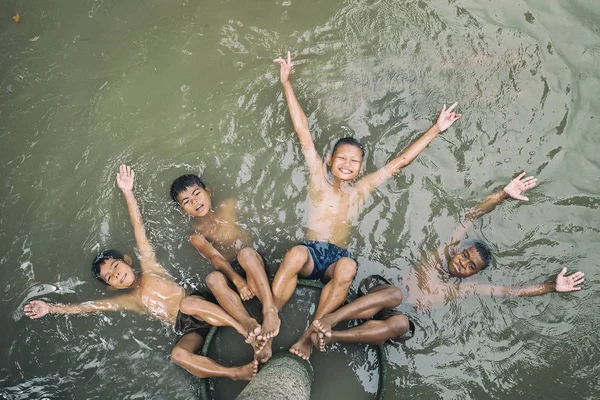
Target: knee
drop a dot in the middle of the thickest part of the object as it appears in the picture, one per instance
(246, 255)
(296, 256)
(215, 280)
(179, 355)
(345, 270)
(187, 305)
(394, 296)
(398, 324)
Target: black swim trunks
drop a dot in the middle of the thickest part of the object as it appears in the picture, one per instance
(365, 287)
(323, 254)
(185, 323)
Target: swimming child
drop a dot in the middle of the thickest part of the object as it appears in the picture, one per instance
(219, 238)
(155, 293)
(464, 259)
(334, 205)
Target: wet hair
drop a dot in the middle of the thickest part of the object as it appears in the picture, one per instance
(352, 142)
(100, 258)
(484, 252)
(182, 183)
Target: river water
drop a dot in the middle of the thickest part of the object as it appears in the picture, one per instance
(174, 87)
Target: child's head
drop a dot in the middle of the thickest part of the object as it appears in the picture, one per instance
(191, 194)
(469, 261)
(114, 269)
(346, 158)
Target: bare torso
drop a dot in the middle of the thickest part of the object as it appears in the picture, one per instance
(221, 229)
(158, 295)
(332, 210)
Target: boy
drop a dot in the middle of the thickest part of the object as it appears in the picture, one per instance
(468, 259)
(333, 207)
(225, 244)
(155, 293)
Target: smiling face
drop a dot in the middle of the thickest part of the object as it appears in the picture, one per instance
(195, 201)
(466, 263)
(345, 162)
(117, 273)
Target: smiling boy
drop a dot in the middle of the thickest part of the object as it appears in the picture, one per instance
(333, 207)
(221, 240)
(155, 293)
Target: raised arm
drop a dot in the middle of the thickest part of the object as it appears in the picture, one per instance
(37, 308)
(315, 164)
(125, 180)
(562, 283)
(444, 121)
(513, 190)
(221, 264)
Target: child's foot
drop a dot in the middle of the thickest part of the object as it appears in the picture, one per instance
(270, 326)
(264, 352)
(246, 372)
(253, 329)
(323, 324)
(303, 346)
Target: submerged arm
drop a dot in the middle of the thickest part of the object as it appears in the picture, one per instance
(562, 283)
(37, 308)
(444, 121)
(513, 190)
(125, 180)
(299, 119)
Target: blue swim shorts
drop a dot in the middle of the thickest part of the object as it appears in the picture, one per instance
(323, 254)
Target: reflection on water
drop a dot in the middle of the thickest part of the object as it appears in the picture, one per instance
(173, 88)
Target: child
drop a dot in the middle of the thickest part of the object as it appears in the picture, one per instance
(226, 245)
(155, 293)
(333, 207)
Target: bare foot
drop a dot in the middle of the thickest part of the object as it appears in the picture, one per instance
(264, 353)
(253, 329)
(270, 326)
(324, 324)
(303, 346)
(314, 340)
(246, 372)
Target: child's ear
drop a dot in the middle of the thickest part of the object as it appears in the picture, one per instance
(128, 260)
(328, 161)
(208, 190)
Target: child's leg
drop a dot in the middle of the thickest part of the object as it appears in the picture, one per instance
(365, 307)
(333, 295)
(297, 261)
(232, 304)
(184, 355)
(371, 332)
(258, 282)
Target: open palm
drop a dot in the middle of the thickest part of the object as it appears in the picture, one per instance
(568, 283)
(519, 185)
(125, 178)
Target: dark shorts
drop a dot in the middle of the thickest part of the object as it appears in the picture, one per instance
(235, 264)
(371, 282)
(323, 255)
(185, 323)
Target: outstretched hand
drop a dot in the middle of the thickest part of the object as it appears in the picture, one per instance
(125, 178)
(568, 283)
(285, 68)
(447, 117)
(36, 309)
(519, 185)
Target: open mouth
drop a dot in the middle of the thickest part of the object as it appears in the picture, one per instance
(345, 171)
(200, 208)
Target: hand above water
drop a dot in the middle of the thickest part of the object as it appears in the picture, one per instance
(447, 117)
(36, 309)
(568, 283)
(285, 69)
(519, 185)
(125, 178)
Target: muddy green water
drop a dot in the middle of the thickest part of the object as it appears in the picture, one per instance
(173, 87)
